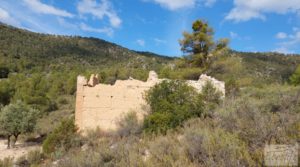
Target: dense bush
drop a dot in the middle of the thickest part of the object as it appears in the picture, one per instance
(171, 102)
(211, 98)
(4, 71)
(295, 78)
(62, 138)
(215, 147)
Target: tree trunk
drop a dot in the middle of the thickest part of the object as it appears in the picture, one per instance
(8, 142)
(16, 138)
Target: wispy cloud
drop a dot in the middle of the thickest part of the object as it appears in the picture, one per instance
(141, 42)
(100, 10)
(291, 41)
(181, 4)
(87, 28)
(234, 35)
(281, 35)
(209, 3)
(5, 17)
(41, 8)
(283, 50)
(256, 9)
(159, 41)
(176, 4)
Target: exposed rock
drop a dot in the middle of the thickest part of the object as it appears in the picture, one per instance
(153, 77)
(94, 80)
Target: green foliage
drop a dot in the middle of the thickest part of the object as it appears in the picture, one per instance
(200, 41)
(199, 44)
(62, 138)
(211, 98)
(16, 119)
(6, 92)
(171, 102)
(253, 69)
(295, 78)
(35, 157)
(215, 147)
(235, 136)
(4, 71)
(128, 125)
(39, 69)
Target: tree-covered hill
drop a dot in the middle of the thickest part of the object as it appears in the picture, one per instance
(23, 50)
(41, 69)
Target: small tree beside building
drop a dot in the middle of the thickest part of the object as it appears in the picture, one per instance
(16, 119)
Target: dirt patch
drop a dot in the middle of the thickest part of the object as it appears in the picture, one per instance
(19, 150)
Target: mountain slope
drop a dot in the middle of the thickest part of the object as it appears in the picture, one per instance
(42, 50)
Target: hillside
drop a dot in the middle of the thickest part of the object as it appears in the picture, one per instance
(38, 68)
(250, 69)
(184, 127)
(28, 50)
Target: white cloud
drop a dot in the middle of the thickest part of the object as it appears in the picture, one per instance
(291, 41)
(281, 35)
(5, 17)
(141, 42)
(87, 28)
(233, 35)
(175, 4)
(180, 4)
(283, 50)
(66, 24)
(39, 7)
(209, 3)
(99, 10)
(245, 10)
(159, 41)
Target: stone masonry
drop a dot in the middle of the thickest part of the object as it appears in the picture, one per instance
(101, 105)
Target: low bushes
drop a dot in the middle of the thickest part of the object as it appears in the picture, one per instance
(129, 124)
(62, 138)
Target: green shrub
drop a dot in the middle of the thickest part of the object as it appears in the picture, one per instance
(35, 157)
(295, 78)
(211, 98)
(171, 102)
(215, 147)
(4, 71)
(62, 138)
(62, 100)
(129, 125)
(167, 151)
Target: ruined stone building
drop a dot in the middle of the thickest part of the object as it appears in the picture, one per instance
(101, 105)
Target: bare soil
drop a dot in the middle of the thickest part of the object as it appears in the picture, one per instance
(19, 150)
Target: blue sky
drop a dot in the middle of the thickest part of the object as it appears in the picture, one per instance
(157, 25)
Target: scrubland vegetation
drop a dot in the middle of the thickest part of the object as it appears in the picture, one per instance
(182, 128)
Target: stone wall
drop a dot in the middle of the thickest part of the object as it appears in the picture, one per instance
(101, 105)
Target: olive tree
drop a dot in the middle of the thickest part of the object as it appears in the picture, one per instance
(16, 119)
